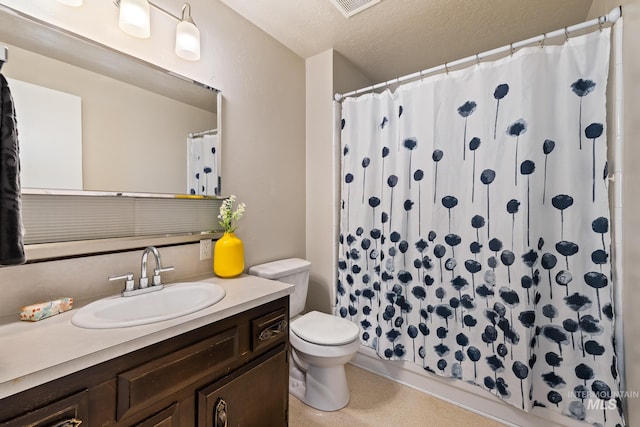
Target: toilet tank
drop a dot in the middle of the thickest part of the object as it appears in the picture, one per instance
(294, 271)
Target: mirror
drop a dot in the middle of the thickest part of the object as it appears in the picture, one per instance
(123, 125)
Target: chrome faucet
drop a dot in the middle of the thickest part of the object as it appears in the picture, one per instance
(143, 286)
(144, 281)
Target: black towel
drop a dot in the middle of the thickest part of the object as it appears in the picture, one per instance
(11, 243)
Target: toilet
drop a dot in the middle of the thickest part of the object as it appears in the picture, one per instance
(321, 344)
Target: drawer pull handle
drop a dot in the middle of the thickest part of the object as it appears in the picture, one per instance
(220, 415)
(68, 423)
(273, 330)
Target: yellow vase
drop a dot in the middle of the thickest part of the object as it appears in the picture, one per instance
(228, 256)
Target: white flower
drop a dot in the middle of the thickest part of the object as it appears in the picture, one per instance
(228, 216)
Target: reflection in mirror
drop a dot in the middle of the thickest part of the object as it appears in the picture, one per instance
(101, 120)
(203, 173)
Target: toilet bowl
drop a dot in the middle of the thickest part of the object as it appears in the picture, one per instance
(321, 344)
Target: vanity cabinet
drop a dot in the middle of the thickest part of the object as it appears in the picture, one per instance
(247, 397)
(234, 370)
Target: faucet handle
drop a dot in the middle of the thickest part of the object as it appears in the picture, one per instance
(156, 274)
(129, 284)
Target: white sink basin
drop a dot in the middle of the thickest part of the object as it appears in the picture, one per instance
(173, 301)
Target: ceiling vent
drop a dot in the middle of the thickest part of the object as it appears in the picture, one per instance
(350, 7)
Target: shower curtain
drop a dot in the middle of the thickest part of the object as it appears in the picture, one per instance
(203, 174)
(475, 231)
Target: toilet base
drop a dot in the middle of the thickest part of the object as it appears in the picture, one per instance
(297, 380)
(323, 388)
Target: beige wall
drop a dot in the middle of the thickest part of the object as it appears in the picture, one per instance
(263, 139)
(346, 77)
(631, 207)
(327, 73)
(321, 233)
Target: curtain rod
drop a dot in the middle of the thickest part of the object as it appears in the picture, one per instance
(203, 133)
(611, 17)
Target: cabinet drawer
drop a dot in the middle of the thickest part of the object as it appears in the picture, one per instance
(74, 407)
(166, 375)
(269, 329)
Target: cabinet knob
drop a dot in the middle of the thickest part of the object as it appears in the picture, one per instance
(220, 415)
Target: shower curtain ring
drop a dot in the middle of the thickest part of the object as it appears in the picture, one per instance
(601, 21)
(511, 48)
(478, 59)
(566, 34)
(544, 38)
(446, 67)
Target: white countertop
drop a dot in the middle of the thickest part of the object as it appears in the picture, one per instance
(32, 353)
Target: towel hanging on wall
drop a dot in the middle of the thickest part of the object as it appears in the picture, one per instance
(11, 230)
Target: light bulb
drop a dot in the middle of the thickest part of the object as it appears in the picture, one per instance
(188, 41)
(135, 18)
(187, 36)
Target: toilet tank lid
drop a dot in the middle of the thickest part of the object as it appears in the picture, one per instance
(280, 268)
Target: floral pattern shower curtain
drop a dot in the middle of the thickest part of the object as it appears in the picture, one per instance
(203, 176)
(475, 228)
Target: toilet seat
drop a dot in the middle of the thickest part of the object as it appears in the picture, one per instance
(324, 329)
(326, 352)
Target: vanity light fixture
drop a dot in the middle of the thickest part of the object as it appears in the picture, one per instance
(135, 20)
(71, 2)
(187, 36)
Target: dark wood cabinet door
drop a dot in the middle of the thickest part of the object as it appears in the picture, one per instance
(253, 396)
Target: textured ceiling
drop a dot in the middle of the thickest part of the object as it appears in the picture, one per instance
(398, 37)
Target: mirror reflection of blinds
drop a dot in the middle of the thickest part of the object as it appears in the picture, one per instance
(62, 218)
